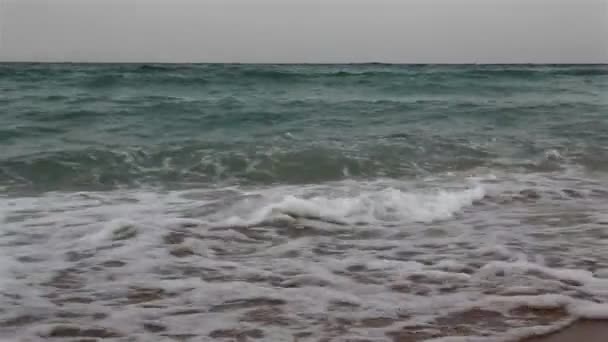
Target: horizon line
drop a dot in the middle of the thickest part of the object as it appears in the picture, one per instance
(307, 63)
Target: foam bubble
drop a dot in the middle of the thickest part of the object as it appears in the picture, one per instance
(553, 155)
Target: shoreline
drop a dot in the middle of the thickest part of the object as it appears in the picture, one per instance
(581, 330)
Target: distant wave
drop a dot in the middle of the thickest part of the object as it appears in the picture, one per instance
(104, 75)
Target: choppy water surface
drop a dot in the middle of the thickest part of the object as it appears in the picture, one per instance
(315, 203)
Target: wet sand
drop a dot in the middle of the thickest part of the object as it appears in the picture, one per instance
(585, 330)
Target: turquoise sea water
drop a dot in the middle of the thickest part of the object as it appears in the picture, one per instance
(106, 126)
(324, 201)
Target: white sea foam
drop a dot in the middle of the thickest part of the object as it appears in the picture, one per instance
(411, 254)
(386, 205)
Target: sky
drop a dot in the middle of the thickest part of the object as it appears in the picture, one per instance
(305, 31)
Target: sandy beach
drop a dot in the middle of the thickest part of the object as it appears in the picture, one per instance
(585, 330)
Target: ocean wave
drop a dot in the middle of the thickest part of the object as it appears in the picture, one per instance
(108, 73)
(386, 206)
(109, 80)
(129, 124)
(223, 163)
(198, 164)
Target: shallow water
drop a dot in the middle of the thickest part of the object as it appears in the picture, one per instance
(341, 203)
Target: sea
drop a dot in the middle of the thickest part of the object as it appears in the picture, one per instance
(364, 202)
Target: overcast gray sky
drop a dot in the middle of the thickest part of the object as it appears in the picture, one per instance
(309, 31)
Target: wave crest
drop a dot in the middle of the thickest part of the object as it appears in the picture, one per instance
(389, 205)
